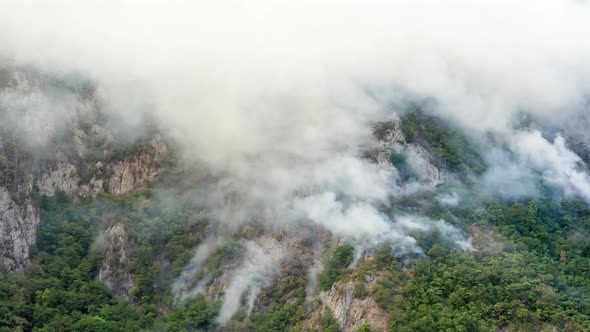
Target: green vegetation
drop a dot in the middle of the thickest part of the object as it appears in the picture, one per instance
(4, 165)
(486, 291)
(405, 170)
(452, 147)
(59, 290)
(329, 323)
(198, 316)
(530, 270)
(339, 260)
(5, 77)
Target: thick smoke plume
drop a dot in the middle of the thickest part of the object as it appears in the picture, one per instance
(559, 166)
(298, 82)
(260, 263)
(182, 287)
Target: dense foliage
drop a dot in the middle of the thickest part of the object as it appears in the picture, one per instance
(339, 260)
(59, 291)
(449, 144)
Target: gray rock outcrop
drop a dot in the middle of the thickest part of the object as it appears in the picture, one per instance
(391, 139)
(114, 272)
(351, 312)
(18, 231)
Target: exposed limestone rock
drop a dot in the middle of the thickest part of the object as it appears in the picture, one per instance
(133, 173)
(391, 139)
(18, 231)
(351, 312)
(52, 145)
(78, 139)
(19, 220)
(160, 148)
(60, 175)
(114, 272)
(422, 162)
(95, 187)
(122, 176)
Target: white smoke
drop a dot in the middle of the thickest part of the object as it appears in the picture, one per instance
(509, 176)
(360, 221)
(364, 224)
(450, 199)
(261, 261)
(237, 78)
(34, 115)
(276, 96)
(559, 166)
(183, 288)
(409, 223)
(286, 82)
(312, 277)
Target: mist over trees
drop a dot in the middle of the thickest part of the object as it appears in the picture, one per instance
(294, 165)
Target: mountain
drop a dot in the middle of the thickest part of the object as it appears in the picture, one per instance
(105, 228)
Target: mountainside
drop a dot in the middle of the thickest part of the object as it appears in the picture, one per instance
(103, 232)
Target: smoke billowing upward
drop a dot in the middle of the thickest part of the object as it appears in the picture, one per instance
(260, 262)
(247, 77)
(288, 80)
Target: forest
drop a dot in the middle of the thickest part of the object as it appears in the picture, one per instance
(529, 269)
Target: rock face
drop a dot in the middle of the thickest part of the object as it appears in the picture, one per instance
(45, 149)
(114, 272)
(60, 175)
(19, 220)
(18, 231)
(132, 173)
(421, 161)
(351, 312)
(391, 139)
(122, 176)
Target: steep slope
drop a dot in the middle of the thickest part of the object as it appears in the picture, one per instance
(18, 231)
(108, 233)
(35, 160)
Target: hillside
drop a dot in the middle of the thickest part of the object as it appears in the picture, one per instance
(106, 231)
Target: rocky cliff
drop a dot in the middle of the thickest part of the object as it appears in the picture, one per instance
(53, 137)
(352, 312)
(115, 177)
(115, 267)
(19, 211)
(18, 231)
(392, 142)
